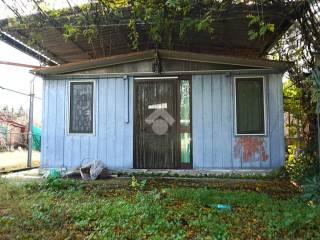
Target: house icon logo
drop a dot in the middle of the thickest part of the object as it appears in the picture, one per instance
(160, 120)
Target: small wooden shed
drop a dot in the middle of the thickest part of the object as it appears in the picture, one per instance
(12, 133)
(201, 103)
(164, 109)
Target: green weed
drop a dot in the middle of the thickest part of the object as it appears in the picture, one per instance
(64, 209)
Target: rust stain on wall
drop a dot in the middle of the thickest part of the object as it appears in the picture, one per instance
(250, 146)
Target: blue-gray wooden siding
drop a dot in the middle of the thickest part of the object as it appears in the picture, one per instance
(112, 142)
(215, 145)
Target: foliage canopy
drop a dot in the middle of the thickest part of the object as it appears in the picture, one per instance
(161, 19)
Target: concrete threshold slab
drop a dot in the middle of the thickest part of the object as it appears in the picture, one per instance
(193, 172)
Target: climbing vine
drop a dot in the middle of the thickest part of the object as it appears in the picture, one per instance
(164, 21)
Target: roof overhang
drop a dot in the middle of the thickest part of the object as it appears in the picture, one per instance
(152, 55)
(228, 23)
(10, 40)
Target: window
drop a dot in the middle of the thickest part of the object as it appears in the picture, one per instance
(250, 116)
(81, 107)
(185, 126)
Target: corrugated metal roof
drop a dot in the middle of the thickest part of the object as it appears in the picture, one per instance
(230, 36)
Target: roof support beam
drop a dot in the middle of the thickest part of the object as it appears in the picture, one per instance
(18, 64)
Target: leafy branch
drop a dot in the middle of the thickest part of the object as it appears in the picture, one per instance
(258, 27)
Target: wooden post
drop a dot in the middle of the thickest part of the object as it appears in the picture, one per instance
(30, 139)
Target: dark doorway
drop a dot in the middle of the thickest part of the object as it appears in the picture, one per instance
(162, 133)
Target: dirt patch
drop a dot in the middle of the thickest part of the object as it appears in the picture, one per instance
(279, 188)
(17, 159)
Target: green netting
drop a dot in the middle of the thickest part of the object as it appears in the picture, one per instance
(36, 137)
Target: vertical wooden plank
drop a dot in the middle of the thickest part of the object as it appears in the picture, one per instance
(128, 129)
(226, 121)
(68, 146)
(266, 163)
(276, 121)
(106, 107)
(197, 124)
(60, 123)
(281, 123)
(126, 98)
(236, 157)
(216, 123)
(52, 102)
(102, 121)
(236, 154)
(85, 145)
(274, 118)
(111, 122)
(44, 137)
(119, 122)
(93, 139)
(207, 104)
(75, 157)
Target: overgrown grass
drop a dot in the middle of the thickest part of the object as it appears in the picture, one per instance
(71, 209)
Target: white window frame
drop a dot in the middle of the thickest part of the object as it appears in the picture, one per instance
(265, 116)
(69, 108)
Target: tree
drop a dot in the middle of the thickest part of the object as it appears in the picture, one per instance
(293, 110)
(297, 46)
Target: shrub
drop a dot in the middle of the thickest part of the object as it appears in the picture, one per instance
(3, 148)
(299, 164)
(311, 190)
(140, 185)
(58, 184)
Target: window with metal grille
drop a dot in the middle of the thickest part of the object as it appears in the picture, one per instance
(81, 107)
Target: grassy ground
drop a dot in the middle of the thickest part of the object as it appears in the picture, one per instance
(17, 159)
(155, 209)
